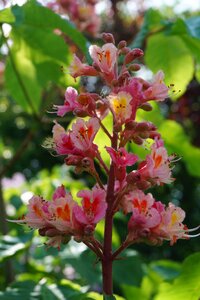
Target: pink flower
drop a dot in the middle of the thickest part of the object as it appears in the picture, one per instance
(121, 107)
(59, 192)
(105, 58)
(62, 140)
(171, 227)
(93, 207)
(156, 168)
(61, 211)
(144, 215)
(70, 102)
(121, 157)
(136, 199)
(134, 88)
(158, 90)
(77, 68)
(83, 134)
(38, 215)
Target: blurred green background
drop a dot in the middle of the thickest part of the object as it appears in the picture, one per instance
(35, 42)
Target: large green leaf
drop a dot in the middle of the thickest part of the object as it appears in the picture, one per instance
(33, 14)
(129, 269)
(152, 22)
(37, 52)
(170, 54)
(175, 138)
(166, 269)
(36, 59)
(10, 246)
(177, 141)
(6, 16)
(133, 292)
(187, 285)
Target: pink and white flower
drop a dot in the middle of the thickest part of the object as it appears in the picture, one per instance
(93, 207)
(144, 215)
(156, 168)
(83, 134)
(61, 211)
(157, 90)
(70, 103)
(120, 105)
(121, 159)
(38, 214)
(77, 68)
(105, 59)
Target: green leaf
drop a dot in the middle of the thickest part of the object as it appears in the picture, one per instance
(107, 297)
(166, 269)
(6, 16)
(152, 21)
(175, 60)
(189, 31)
(186, 286)
(177, 141)
(129, 269)
(86, 266)
(10, 246)
(33, 14)
(132, 292)
(193, 25)
(21, 81)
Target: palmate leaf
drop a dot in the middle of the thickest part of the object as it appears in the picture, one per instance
(175, 60)
(187, 285)
(37, 52)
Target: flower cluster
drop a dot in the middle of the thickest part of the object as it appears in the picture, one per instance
(150, 220)
(81, 12)
(62, 217)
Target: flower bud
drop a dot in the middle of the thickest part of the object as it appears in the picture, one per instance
(144, 134)
(121, 44)
(86, 162)
(88, 230)
(136, 53)
(125, 50)
(134, 67)
(137, 140)
(131, 125)
(146, 106)
(115, 82)
(142, 126)
(133, 177)
(143, 185)
(80, 113)
(108, 38)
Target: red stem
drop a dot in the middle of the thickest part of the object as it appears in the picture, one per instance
(107, 247)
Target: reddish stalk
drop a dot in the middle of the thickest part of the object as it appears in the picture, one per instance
(107, 247)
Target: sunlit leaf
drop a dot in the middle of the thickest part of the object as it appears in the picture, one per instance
(176, 61)
(186, 286)
(6, 16)
(132, 292)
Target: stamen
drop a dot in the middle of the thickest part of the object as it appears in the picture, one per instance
(191, 235)
(193, 229)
